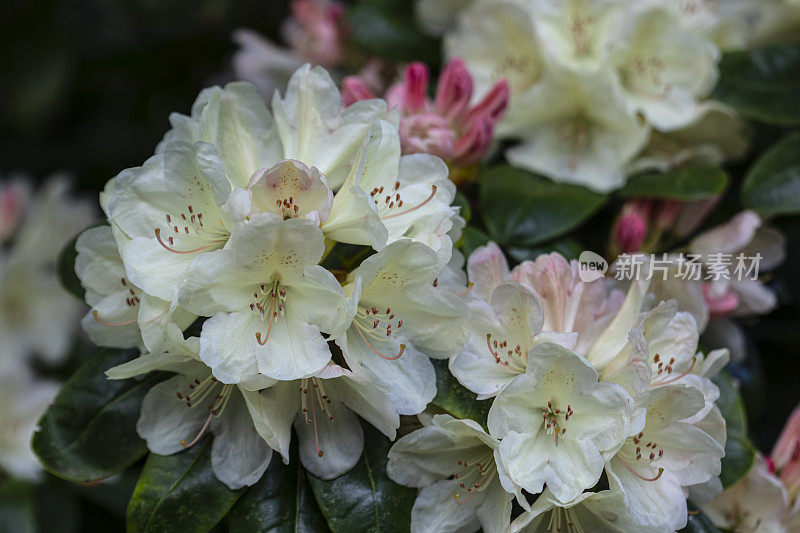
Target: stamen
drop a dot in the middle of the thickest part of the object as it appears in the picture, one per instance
(407, 211)
(632, 471)
(673, 380)
(469, 288)
(113, 324)
(166, 247)
(269, 329)
(376, 352)
(459, 502)
(200, 434)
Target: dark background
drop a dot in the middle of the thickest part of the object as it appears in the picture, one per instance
(87, 86)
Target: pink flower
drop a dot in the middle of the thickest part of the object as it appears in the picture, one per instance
(786, 453)
(448, 126)
(719, 306)
(315, 31)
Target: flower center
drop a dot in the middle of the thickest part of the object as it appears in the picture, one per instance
(638, 455)
(390, 204)
(474, 476)
(269, 303)
(319, 400)
(514, 359)
(555, 420)
(217, 395)
(189, 226)
(664, 369)
(371, 323)
(563, 519)
(131, 300)
(574, 133)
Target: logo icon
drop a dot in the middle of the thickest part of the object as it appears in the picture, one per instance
(591, 266)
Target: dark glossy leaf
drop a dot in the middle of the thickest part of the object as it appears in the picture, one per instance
(281, 502)
(687, 184)
(65, 268)
(472, 238)
(365, 499)
(57, 506)
(455, 398)
(387, 30)
(179, 492)
(17, 507)
(772, 185)
(521, 209)
(89, 432)
(731, 406)
(568, 247)
(763, 84)
(739, 457)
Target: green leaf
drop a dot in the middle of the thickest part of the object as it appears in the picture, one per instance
(17, 507)
(472, 238)
(365, 499)
(772, 185)
(521, 209)
(763, 84)
(687, 184)
(568, 247)
(461, 201)
(65, 269)
(739, 457)
(731, 405)
(179, 492)
(281, 502)
(387, 30)
(455, 398)
(89, 432)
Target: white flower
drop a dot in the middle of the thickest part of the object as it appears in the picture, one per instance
(664, 66)
(263, 63)
(178, 412)
(557, 422)
(756, 503)
(667, 454)
(462, 477)
(24, 400)
(323, 409)
(268, 301)
(398, 320)
(577, 129)
(386, 197)
(122, 316)
(590, 511)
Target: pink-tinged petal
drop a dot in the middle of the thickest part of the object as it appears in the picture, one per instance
(415, 85)
(632, 226)
(666, 212)
(486, 268)
(315, 30)
(787, 448)
(730, 237)
(720, 306)
(12, 201)
(474, 143)
(355, 89)
(292, 190)
(454, 90)
(426, 133)
(493, 104)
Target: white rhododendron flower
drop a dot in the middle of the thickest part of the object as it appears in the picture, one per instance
(557, 423)
(178, 412)
(322, 409)
(399, 319)
(463, 480)
(590, 79)
(268, 301)
(590, 511)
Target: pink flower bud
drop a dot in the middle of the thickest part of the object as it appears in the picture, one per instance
(667, 212)
(415, 87)
(493, 104)
(427, 133)
(353, 90)
(474, 143)
(720, 306)
(454, 90)
(786, 453)
(632, 226)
